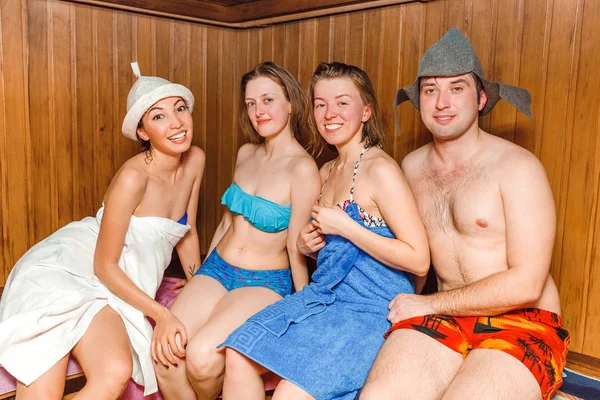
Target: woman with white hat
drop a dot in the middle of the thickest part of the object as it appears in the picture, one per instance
(86, 289)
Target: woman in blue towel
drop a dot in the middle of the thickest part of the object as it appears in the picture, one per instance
(370, 241)
(253, 259)
(86, 289)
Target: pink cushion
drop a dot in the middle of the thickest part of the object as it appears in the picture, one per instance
(9, 384)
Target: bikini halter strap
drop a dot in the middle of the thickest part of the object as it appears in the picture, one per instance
(353, 174)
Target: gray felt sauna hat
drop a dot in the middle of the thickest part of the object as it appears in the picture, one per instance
(453, 55)
(146, 91)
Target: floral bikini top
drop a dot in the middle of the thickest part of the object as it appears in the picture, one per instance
(368, 219)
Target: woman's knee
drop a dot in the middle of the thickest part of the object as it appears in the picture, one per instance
(114, 375)
(166, 374)
(234, 361)
(203, 361)
(120, 371)
(287, 390)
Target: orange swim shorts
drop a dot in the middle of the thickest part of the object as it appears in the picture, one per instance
(533, 336)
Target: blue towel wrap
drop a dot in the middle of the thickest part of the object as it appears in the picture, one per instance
(325, 338)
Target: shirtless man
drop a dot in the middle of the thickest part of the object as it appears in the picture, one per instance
(493, 330)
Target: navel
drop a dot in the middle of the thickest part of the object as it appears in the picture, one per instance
(482, 223)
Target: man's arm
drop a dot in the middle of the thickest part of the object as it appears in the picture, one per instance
(530, 218)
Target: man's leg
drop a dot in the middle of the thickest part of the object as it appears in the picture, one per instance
(494, 375)
(411, 365)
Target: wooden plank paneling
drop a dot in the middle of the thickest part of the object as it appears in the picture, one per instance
(126, 52)
(162, 40)
(324, 38)
(279, 50)
(61, 112)
(66, 75)
(197, 86)
(212, 84)
(307, 51)
(388, 83)
(84, 70)
(356, 36)
(104, 30)
(40, 107)
(292, 49)
(533, 70)
(265, 40)
(227, 107)
(411, 51)
(584, 179)
(340, 37)
(571, 278)
(506, 38)
(14, 133)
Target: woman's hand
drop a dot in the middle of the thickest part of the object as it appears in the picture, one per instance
(168, 340)
(178, 285)
(331, 220)
(310, 240)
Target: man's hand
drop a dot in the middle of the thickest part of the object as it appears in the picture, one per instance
(405, 306)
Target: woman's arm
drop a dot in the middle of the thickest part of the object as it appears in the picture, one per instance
(222, 228)
(305, 186)
(244, 152)
(409, 251)
(310, 241)
(188, 248)
(124, 195)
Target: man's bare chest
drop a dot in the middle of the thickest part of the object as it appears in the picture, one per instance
(469, 203)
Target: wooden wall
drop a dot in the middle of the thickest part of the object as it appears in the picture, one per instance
(65, 77)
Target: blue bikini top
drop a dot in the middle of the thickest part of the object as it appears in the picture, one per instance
(263, 214)
(183, 220)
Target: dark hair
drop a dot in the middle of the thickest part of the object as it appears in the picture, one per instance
(291, 89)
(372, 131)
(146, 146)
(478, 86)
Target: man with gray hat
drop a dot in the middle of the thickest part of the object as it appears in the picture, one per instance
(493, 331)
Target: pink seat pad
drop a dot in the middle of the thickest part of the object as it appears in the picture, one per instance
(9, 384)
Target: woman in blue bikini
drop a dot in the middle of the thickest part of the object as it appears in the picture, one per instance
(253, 259)
(371, 243)
(86, 289)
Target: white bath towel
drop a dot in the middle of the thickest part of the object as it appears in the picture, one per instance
(52, 295)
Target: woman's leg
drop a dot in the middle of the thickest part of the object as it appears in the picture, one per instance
(193, 306)
(242, 377)
(205, 364)
(288, 391)
(50, 385)
(105, 357)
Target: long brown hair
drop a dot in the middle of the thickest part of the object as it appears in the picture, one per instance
(372, 131)
(291, 89)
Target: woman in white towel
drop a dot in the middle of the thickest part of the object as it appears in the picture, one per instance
(86, 290)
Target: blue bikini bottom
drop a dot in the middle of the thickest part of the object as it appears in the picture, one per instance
(232, 277)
